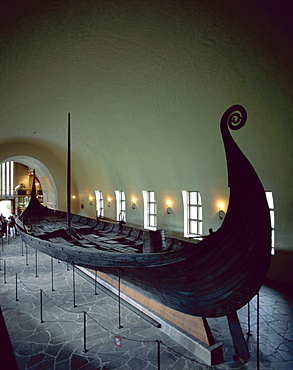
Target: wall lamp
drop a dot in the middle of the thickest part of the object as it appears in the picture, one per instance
(133, 200)
(221, 212)
(168, 204)
(91, 200)
(109, 201)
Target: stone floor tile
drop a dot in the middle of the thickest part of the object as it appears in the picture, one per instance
(62, 365)
(57, 343)
(282, 365)
(47, 363)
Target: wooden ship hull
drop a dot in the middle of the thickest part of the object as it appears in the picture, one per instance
(210, 278)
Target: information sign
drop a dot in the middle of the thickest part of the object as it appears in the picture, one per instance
(117, 341)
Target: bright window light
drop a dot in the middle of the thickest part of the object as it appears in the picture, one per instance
(270, 200)
(120, 205)
(150, 210)
(99, 203)
(192, 207)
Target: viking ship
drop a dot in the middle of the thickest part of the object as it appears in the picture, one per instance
(209, 278)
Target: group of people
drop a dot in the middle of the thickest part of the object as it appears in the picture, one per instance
(7, 226)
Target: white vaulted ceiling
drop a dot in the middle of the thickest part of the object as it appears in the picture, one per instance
(146, 83)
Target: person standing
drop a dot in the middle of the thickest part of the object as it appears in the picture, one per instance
(3, 227)
(11, 226)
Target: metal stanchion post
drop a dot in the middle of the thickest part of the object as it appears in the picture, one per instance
(159, 354)
(248, 320)
(84, 332)
(96, 282)
(52, 278)
(16, 297)
(119, 313)
(26, 255)
(22, 248)
(41, 305)
(5, 282)
(73, 280)
(36, 254)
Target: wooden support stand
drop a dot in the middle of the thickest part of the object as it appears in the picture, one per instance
(191, 332)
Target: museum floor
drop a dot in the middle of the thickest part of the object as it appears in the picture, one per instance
(59, 342)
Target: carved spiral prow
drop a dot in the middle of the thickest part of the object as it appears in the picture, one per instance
(235, 117)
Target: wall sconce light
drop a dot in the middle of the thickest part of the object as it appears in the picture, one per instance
(221, 212)
(73, 197)
(168, 204)
(109, 201)
(133, 203)
(91, 200)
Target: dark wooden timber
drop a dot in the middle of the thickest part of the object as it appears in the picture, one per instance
(211, 278)
(240, 344)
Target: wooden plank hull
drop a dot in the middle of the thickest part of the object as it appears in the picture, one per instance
(211, 278)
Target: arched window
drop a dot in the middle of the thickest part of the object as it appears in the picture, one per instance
(7, 178)
(192, 208)
(150, 210)
(99, 203)
(120, 205)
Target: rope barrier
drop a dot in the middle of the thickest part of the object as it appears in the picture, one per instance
(125, 338)
(84, 313)
(12, 273)
(62, 308)
(131, 339)
(75, 311)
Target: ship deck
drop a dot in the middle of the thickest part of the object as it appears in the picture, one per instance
(89, 233)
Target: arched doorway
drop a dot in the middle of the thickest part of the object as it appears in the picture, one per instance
(44, 176)
(6, 208)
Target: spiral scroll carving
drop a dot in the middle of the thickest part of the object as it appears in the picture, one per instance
(235, 117)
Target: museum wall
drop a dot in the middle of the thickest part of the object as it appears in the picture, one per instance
(146, 84)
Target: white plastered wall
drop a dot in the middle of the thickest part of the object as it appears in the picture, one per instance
(146, 83)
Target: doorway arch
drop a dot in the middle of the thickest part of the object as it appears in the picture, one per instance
(5, 207)
(50, 198)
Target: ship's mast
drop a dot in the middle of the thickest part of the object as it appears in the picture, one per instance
(68, 175)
